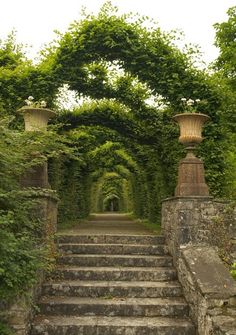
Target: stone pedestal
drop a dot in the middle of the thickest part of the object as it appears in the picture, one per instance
(37, 176)
(191, 177)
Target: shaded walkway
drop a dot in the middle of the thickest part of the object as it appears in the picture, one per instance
(110, 223)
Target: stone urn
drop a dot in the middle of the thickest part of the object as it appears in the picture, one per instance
(191, 175)
(191, 127)
(36, 119)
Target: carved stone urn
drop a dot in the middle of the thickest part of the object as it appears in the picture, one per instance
(191, 175)
(36, 119)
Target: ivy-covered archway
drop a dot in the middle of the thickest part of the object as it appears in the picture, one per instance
(147, 65)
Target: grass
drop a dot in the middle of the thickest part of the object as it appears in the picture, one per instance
(65, 225)
(233, 271)
(154, 227)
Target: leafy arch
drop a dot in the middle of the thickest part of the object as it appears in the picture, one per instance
(150, 57)
(146, 54)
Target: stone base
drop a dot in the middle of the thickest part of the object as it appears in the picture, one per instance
(191, 177)
(37, 176)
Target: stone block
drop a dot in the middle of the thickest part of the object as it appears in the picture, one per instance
(187, 220)
(208, 287)
(211, 276)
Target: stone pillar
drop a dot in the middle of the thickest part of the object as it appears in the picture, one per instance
(186, 220)
(37, 176)
(36, 119)
(191, 177)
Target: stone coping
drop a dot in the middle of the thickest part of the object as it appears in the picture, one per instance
(204, 198)
(209, 274)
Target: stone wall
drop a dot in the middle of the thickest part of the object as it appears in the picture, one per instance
(208, 287)
(187, 220)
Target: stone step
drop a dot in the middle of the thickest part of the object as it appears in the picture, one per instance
(111, 239)
(93, 325)
(112, 289)
(114, 306)
(115, 273)
(113, 249)
(115, 260)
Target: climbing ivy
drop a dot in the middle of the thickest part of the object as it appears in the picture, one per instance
(23, 252)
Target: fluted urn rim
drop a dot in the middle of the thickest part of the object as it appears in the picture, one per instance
(36, 118)
(191, 127)
(193, 115)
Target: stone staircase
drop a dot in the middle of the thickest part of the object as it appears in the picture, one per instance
(113, 277)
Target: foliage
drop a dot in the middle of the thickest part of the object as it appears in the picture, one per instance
(233, 270)
(18, 266)
(5, 329)
(226, 79)
(112, 38)
(226, 41)
(19, 78)
(23, 252)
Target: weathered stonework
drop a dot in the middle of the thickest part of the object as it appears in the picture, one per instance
(208, 287)
(224, 324)
(186, 220)
(207, 284)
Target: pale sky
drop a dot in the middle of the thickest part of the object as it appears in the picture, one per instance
(35, 21)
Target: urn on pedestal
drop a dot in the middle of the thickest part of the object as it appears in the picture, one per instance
(191, 176)
(36, 119)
